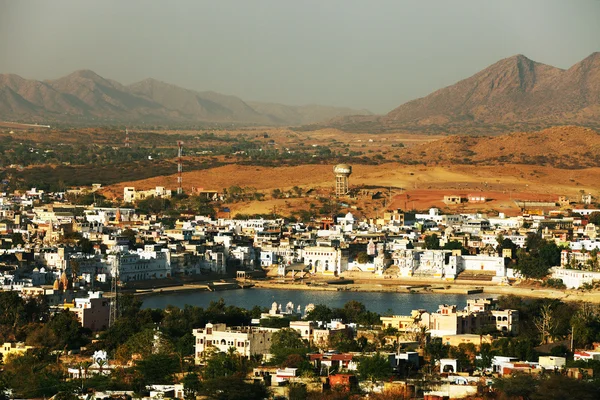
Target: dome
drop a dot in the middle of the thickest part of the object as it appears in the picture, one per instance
(343, 169)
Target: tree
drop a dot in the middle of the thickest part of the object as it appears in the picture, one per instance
(158, 368)
(594, 218)
(233, 388)
(374, 368)
(362, 258)
(320, 313)
(455, 245)
(531, 266)
(286, 342)
(220, 364)
(520, 385)
(436, 350)
(486, 356)
(276, 193)
(191, 386)
(432, 242)
(545, 323)
(558, 387)
(297, 391)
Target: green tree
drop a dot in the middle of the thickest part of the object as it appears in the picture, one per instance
(594, 218)
(436, 350)
(517, 386)
(374, 368)
(158, 368)
(455, 245)
(191, 386)
(531, 266)
(286, 342)
(486, 356)
(432, 242)
(233, 388)
(320, 313)
(362, 257)
(220, 364)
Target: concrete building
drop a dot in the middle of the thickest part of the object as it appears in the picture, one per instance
(141, 265)
(574, 278)
(13, 349)
(326, 260)
(246, 341)
(92, 312)
(130, 195)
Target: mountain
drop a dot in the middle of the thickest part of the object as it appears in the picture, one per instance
(514, 91)
(299, 115)
(204, 106)
(85, 97)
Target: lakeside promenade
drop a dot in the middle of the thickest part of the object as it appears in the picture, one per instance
(388, 285)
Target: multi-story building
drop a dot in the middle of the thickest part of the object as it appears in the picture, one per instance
(480, 315)
(327, 260)
(246, 341)
(141, 265)
(131, 195)
(92, 312)
(13, 349)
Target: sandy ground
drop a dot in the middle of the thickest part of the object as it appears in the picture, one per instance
(424, 185)
(406, 286)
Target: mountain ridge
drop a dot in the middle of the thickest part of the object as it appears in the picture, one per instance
(85, 97)
(514, 91)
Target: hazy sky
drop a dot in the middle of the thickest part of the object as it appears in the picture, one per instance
(363, 54)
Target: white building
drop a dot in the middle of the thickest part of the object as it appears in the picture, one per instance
(573, 278)
(141, 265)
(246, 341)
(326, 260)
(131, 195)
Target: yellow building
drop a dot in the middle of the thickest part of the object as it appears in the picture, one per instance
(13, 349)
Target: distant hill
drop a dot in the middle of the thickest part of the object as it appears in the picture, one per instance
(87, 98)
(514, 92)
(299, 115)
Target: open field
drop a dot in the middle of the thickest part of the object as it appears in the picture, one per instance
(424, 185)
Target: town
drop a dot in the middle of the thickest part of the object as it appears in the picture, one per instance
(73, 277)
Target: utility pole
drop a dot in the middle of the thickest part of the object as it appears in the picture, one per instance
(179, 167)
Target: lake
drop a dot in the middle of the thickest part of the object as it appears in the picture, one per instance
(398, 303)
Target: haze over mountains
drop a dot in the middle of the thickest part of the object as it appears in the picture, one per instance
(86, 97)
(511, 94)
(513, 91)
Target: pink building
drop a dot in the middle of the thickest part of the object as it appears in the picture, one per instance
(92, 312)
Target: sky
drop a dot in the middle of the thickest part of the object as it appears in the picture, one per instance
(371, 54)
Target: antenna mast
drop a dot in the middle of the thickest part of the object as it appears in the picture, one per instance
(127, 138)
(114, 289)
(179, 167)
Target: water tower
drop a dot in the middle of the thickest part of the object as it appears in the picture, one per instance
(342, 174)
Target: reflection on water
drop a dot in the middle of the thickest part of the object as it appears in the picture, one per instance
(398, 303)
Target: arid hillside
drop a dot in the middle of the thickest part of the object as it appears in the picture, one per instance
(525, 165)
(562, 147)
(512, 94)
(86, 98)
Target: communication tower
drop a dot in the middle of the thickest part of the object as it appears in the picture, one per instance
(342, 174)
(114, 291)
(127, 138)
(179, 167)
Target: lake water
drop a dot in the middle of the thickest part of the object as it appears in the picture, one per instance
(398, 303)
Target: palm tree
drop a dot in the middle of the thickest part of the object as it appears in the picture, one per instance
(101, 363)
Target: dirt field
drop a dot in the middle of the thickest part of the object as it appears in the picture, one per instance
(425, 186)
